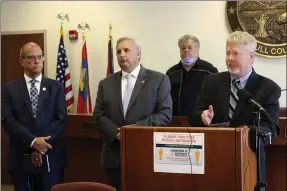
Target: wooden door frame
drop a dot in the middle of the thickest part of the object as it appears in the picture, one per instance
(30, 32)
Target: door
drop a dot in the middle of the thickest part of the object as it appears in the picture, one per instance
(11, 70)
(10, 52)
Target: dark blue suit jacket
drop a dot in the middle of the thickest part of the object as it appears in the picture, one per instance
(22, 128)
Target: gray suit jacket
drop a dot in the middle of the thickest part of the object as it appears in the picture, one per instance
(150, 105)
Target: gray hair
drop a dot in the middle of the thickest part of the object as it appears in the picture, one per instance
(22, 52)
(244, 38)
(189, 37)
(138, 48)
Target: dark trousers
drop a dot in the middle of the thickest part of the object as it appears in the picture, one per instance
(114, 178)
(36, 181)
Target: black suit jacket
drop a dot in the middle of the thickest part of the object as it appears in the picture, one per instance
(150, 105)
(216, 92)
(22, 128)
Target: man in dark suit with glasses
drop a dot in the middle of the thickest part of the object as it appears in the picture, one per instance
(34, 115)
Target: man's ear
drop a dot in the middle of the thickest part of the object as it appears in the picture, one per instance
(21, 61)
(252, 55)
(139, 54)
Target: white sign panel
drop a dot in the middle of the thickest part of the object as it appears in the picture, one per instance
(179, 152)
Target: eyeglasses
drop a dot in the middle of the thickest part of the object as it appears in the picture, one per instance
(32, 58)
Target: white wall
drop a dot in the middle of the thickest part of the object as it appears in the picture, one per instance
(155, 25)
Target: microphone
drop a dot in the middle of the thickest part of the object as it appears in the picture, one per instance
(243, 94)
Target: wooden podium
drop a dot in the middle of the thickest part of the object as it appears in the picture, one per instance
(229, 163)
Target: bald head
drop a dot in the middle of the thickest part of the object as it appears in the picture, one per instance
(26, 47)
(31, 58)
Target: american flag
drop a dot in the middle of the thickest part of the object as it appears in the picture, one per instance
(63, 72)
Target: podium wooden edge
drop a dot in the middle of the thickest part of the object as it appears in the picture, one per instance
(247, 172)
(123, 165)
(74, 128)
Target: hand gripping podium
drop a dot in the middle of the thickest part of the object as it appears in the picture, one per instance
(229, 164)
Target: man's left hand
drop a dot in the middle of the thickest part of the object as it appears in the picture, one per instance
(36, 158)
(119, 134)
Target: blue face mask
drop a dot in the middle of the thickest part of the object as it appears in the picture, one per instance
(188, 60)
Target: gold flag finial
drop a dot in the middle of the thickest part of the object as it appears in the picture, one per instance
(83, 27)
(110, 31)
(62, 17)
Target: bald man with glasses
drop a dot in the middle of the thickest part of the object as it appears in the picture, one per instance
(34, 115)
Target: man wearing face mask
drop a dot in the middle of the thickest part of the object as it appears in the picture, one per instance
(187, 76)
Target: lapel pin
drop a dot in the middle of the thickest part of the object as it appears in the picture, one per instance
(143, 81)
(44, 89)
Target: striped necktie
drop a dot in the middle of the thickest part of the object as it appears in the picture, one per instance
(233, 100)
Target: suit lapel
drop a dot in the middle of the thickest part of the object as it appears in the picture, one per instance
(141, 81)
(23, 92)
(43, 93)
(252, 83)
(250, 87)
(118, 91)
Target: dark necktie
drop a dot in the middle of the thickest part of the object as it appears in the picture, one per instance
(233, 100)
(34, 97)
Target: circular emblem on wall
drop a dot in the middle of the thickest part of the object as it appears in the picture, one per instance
(265, 20)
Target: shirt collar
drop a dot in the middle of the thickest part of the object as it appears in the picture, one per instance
(28, 79)
(243, 79)
(134, 73)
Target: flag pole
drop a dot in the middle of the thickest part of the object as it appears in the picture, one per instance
(84, 96)
(110, 31)
(83, 27)
(62, 18)
(110, 67)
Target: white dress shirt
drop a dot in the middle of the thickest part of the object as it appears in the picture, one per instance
(243, 79)
(37, 83)
(134, 74)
